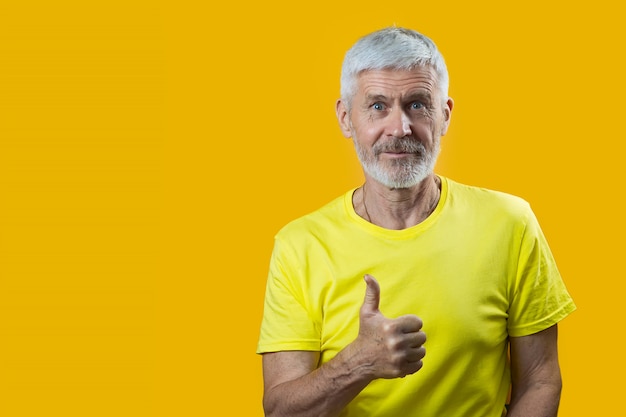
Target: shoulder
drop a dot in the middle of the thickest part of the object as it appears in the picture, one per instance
(329, 216)
(487, 201)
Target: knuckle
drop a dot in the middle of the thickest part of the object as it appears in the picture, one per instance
(392, 343)
(388, 327)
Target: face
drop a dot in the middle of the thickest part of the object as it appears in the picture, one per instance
(396, 120)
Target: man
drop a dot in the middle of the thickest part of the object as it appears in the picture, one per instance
(468, 266)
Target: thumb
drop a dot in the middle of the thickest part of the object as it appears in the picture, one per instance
(372, 294)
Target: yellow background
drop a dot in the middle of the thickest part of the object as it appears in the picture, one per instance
(150, 150)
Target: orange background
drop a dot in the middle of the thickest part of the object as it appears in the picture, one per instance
(150, 150)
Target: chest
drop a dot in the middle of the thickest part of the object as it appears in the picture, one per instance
(460, 292)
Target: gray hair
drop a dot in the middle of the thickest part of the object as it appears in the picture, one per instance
(391, 48)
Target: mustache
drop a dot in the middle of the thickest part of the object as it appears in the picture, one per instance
(403, 145)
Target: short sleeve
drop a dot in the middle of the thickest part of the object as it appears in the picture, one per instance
(539, 298)
(286, 323)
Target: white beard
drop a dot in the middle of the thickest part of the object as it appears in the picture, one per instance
(401, 173)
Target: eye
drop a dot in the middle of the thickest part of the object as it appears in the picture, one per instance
(378, 106)
(416, 105)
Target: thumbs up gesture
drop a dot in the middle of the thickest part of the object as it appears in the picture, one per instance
(391, 348)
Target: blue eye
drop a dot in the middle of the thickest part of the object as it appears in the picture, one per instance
(416, 105)
(378, 106)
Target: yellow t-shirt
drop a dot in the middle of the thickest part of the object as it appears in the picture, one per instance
(476, 271)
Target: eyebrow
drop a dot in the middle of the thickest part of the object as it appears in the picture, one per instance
(424, 96)
(419, 95)
(375, 97)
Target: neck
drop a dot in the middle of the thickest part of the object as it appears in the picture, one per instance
(397, 208)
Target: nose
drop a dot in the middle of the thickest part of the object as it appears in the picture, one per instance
(400, 124)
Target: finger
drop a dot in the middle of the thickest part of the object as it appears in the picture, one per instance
(372, 294)
(411, 340)
(412, 367)
(416, 355)
(409, 323)
(417, 340)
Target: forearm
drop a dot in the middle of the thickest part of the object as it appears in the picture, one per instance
(535, 375)
(538, 400)
(322, 393)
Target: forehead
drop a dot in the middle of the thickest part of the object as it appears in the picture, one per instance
(397, 81)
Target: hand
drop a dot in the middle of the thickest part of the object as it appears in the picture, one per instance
(392, 348)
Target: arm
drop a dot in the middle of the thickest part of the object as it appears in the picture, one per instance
(535, 374)
(294, 385)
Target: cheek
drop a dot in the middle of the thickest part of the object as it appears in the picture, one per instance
(425, 129)
(367, 133)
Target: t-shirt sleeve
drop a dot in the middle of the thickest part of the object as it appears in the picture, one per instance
(539, 298)
(286, 323)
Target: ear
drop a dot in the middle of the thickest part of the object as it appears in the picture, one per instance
(447, 114)
(343, 116)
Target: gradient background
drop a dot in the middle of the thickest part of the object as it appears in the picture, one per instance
(150, 150)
